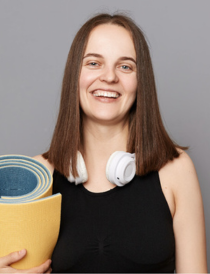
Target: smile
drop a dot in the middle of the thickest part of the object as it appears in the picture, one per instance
(103, 93)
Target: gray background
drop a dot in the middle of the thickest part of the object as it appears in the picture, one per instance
(35, 37)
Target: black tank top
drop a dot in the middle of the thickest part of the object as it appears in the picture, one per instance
(126, 229)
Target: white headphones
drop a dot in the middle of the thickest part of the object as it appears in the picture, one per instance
(120, 169)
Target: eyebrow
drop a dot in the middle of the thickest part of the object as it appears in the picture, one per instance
(123, 58)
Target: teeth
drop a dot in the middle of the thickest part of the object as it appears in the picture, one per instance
(110, 94)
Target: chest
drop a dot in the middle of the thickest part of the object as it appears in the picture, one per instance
(128, 228)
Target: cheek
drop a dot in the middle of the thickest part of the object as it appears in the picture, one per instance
(86, 79)
(82, 81)
(131, 91)
(83, 84)
(131, 86)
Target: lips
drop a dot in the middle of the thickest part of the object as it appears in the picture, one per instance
(107, 93)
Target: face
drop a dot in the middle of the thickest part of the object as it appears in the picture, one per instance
(108, 79)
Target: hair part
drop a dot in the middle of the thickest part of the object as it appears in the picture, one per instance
(147, 135)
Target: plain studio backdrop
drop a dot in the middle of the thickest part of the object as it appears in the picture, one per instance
(35, 37)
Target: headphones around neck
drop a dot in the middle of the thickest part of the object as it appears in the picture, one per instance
(120, 169)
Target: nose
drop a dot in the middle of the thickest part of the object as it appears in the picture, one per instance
(109, 75)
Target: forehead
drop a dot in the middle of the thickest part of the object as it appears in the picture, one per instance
(109, 38)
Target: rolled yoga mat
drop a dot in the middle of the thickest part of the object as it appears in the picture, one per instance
(29, 213)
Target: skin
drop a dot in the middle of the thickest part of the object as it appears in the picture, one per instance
(106, 122)
(13, 257)
(103, 68)
(182, 191)
(106, 131)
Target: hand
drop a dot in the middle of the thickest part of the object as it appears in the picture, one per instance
(13, 257)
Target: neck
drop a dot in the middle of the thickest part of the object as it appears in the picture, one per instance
(103, 139)
(99, 142)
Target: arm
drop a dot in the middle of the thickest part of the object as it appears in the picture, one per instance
(188, 220)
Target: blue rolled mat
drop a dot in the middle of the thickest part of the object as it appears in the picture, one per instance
(29, 213)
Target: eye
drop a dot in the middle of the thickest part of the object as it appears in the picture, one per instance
(93, 64)
(125, 67)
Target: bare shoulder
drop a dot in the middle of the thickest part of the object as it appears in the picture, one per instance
(45, 162)
(181, 187)
(180, 173)
(178, 179)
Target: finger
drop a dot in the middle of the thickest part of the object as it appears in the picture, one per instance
(7, 269)
(12, 258)
(39, 269)
(49, 270)
(43, 268)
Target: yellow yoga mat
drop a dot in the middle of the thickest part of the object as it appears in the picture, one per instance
(29, 213)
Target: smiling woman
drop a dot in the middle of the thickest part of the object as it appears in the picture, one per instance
(139, 207)
(108, 81)
(101, 50)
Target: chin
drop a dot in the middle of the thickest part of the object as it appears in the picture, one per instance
(107, 119)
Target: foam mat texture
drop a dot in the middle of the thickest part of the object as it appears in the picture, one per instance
(29, 213)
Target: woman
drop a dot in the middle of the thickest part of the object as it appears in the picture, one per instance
(155, 223)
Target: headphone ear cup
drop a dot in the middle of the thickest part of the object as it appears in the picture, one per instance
(121, 168)
(81, 169)
(110, 169)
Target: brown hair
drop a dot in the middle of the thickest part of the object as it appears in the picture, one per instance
(147, 136)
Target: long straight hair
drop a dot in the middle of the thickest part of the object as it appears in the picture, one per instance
(148, 138)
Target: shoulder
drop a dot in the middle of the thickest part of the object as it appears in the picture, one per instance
(179, 182)
(181, 163)
(45, 162)
(180, 172)
(179, 178)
